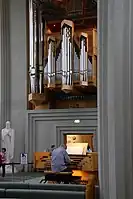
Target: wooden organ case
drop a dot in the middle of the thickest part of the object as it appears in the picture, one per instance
(61, 63)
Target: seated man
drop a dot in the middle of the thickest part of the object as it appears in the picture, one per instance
(60, 160)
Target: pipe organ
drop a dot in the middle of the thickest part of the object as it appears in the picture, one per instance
(51, 62)
(65, 66)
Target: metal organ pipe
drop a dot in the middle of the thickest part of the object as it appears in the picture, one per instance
(51, 61)
(32, 69)
(84, 59)
(86, 64)
(70, 59)
(67, 50)
(81, 62)
(63, 57)
(41, 53)
(36, 45)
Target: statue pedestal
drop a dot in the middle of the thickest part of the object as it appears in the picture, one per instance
(38, 100)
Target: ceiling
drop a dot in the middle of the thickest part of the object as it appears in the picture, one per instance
(67, 9)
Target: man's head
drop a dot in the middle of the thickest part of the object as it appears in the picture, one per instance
(52, 147)
(3, 150)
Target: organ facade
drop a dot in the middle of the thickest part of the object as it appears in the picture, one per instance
(63, 62)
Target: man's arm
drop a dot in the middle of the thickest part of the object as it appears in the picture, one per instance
(67, 159)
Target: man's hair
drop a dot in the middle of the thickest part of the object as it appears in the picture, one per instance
(4, 149)
(88, 147)
(52, 146)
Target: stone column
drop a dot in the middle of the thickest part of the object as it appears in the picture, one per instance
(4, 63)
(115, 98)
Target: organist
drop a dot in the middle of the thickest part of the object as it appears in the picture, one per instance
(60, 159)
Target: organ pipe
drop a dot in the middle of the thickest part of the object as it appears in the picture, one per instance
(34, 46)
(51, 61)
(58, 64)
(32, 69)
(67, 53)
(84, 59)
(41, 52)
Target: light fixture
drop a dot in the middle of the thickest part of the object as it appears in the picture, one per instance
(54, 25)
(76, 121)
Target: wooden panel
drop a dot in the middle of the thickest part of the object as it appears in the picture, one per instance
(90, 162)
(94, 42)
(40, 158)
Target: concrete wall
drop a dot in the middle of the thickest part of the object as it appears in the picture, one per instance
(48, 127)
(18, 64)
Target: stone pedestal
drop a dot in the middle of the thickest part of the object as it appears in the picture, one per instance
(115, 99)
(38, 100)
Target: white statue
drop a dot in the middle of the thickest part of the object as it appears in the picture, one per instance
(7, 138)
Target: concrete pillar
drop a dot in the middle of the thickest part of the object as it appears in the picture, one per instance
(19, 68)
(4, 63)
(115, 98)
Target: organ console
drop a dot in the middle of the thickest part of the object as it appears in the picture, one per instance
(67, 63)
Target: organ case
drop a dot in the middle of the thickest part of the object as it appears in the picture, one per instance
(68, 65)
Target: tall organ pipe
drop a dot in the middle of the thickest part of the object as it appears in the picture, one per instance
(34, 24)
(63, 57)
(41, 52)
(51, 61)
(32, 69)
(67, 50)
(84, 59)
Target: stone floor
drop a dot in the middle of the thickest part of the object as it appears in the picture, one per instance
(23, 177)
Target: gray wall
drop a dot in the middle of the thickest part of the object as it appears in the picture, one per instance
(18, 64)
(47, 127)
